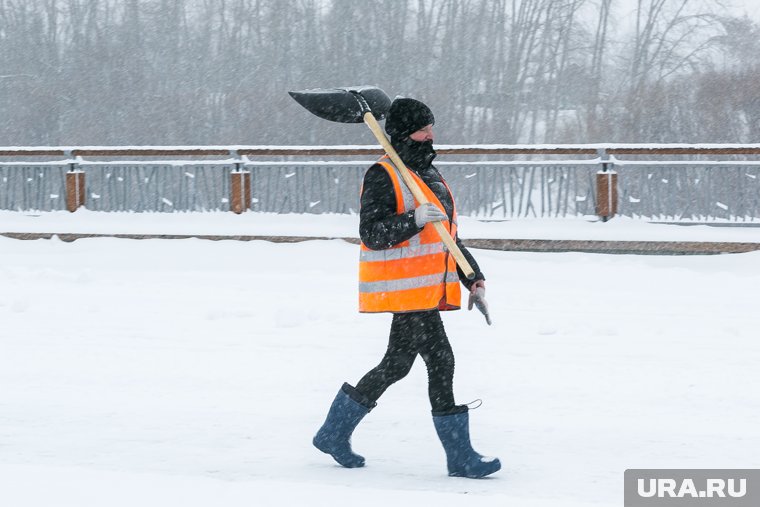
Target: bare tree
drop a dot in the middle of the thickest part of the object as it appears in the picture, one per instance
(668, 39)
(505, 71)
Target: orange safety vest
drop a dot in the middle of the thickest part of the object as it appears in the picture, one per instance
(417, 274)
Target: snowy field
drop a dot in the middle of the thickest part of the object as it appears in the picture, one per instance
(195, 373)
(347, 226)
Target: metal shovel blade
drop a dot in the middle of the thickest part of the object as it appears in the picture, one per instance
(342, 104)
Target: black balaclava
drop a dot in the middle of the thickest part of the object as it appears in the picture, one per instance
(407, 116)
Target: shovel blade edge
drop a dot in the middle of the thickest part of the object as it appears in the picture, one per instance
(341, 104)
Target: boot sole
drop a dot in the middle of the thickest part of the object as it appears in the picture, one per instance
(344, 465)
(475, 476)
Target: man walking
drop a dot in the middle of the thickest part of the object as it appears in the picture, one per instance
(406, 270)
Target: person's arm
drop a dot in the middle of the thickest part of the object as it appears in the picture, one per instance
(380, 227)
(467, 255)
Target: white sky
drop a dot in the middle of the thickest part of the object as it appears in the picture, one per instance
(749, 7)
(737, 7)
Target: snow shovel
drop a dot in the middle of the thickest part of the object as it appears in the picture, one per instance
(367, 104)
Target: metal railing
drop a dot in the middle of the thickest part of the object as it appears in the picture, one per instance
(727, 187)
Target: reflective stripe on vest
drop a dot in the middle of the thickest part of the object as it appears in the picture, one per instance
(415, 275)
(406, 194)
(416, 282)
(404, 252)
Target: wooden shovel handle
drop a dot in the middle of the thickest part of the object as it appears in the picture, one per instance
(371, 122)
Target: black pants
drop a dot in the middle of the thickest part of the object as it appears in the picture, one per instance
(412, 334)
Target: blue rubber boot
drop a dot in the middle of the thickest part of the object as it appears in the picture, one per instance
(334, 437)
(454, 431)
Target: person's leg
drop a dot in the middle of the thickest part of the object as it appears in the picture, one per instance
(452, 422)
(398, 359)
(435, 349)
(352, 403)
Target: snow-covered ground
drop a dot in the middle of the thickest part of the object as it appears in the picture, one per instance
(194, 373)
(346, 226)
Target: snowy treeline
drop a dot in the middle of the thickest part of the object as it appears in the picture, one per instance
(503, 71)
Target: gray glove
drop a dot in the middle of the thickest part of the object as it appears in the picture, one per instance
(427, 213)
(478, 298)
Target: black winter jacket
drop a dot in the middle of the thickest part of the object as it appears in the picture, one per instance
(380, 227)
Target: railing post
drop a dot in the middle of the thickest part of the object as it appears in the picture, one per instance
(606, 188)
(75, 192)
(240, 189)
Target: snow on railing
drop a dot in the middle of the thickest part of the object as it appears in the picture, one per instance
(447, 149)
